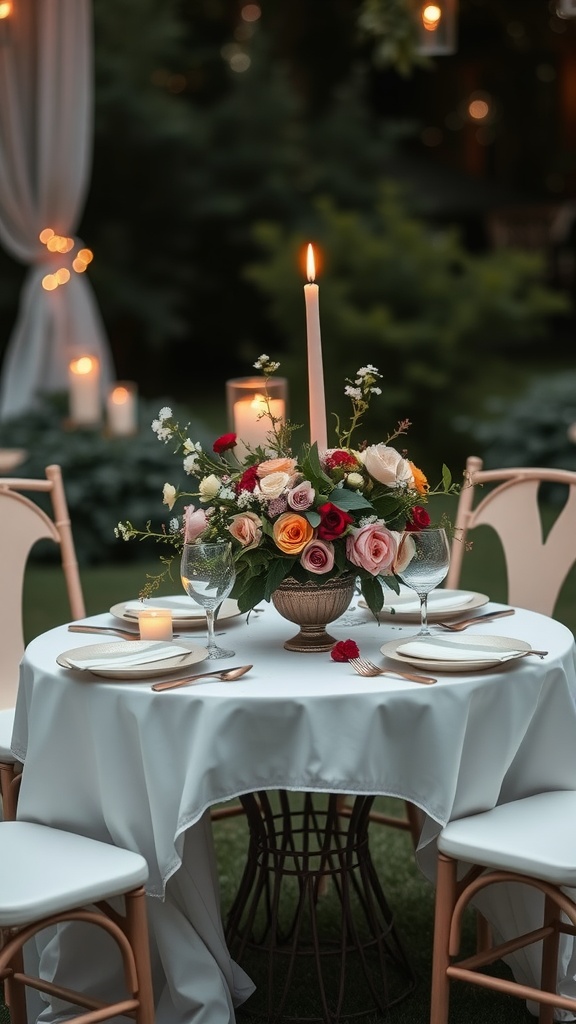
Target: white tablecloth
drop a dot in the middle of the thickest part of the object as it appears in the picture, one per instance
(129, 766)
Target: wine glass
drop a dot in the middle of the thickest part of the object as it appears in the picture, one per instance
(207, 572)
(426, 568)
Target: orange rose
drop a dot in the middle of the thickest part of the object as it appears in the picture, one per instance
(292, 533)
(420, 481)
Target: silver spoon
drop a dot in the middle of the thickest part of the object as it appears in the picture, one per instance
(227, 675)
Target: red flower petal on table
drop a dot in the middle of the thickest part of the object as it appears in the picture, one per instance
(224, 443)
(344, 650)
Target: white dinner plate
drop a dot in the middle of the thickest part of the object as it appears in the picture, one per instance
(442, 604)
(502, 646)
(185, 614)
(118, 651)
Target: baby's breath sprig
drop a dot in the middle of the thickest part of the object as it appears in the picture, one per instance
(279, 439)
(359, 391)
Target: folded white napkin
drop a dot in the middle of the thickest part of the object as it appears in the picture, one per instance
(147, 653)
(437, 601)
(181, 607)
(439, 650)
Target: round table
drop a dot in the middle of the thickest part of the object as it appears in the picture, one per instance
(127, 765)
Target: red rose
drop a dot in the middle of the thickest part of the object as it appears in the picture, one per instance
(340, 458)
(224, 443)
(248, 480)
(420, 519)
(333, 521)
(344, 650)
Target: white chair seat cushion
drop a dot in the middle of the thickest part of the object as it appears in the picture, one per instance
(535, 836)
(45, 871)
(6, 726)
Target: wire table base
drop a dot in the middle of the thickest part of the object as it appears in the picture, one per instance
(311, 907)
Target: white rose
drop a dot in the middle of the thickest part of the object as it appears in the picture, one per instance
(209, 487)
(271, 486)
(387, 466)
(169, 495)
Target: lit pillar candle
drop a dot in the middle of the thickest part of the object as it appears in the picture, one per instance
(250, 426)
(317, 401)
(84, 384)
(155, 624)
(121, 409)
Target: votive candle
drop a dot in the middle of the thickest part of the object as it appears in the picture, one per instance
(155, 624)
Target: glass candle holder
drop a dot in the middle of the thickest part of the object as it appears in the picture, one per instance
(436, 26)
(155, 624)
(248, 409)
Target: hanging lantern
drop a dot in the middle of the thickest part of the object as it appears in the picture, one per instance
(436, 26)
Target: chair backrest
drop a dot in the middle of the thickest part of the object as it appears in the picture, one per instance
(536, 566)
(22, 524)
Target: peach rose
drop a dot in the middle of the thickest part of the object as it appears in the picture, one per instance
(387, 466)
(271, 486)
(292, 533)
(420, 481)
(246, 529)
(372, 548)
(276, 466)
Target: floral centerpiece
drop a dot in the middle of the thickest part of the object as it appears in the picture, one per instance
(304, 516)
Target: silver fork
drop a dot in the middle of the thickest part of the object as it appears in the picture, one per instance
(367, 668)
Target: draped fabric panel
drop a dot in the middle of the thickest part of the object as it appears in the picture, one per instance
(45, 157)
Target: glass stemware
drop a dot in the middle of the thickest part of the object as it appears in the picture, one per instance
(208, 573)
(426, 568)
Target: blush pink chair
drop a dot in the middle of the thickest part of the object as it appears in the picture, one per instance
(22, 524)
(507, 501)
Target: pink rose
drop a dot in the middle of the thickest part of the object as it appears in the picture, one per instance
(301, 497)
(372, 548)
(387, 466)
(195, 522)
(318, 557)
(246, 529)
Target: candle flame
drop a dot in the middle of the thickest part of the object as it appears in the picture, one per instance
(120, 395)
(431, 16)
(259, 403)
(83, 365)
(310, 264)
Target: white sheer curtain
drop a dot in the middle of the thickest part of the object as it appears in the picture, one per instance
(45, 157)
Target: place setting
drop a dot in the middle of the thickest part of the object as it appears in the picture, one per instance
(425, 567)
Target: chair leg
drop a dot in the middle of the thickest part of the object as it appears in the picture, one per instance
(136, 928)
(8, 790)
(15, 993)
(445, 900)
(550, 947)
